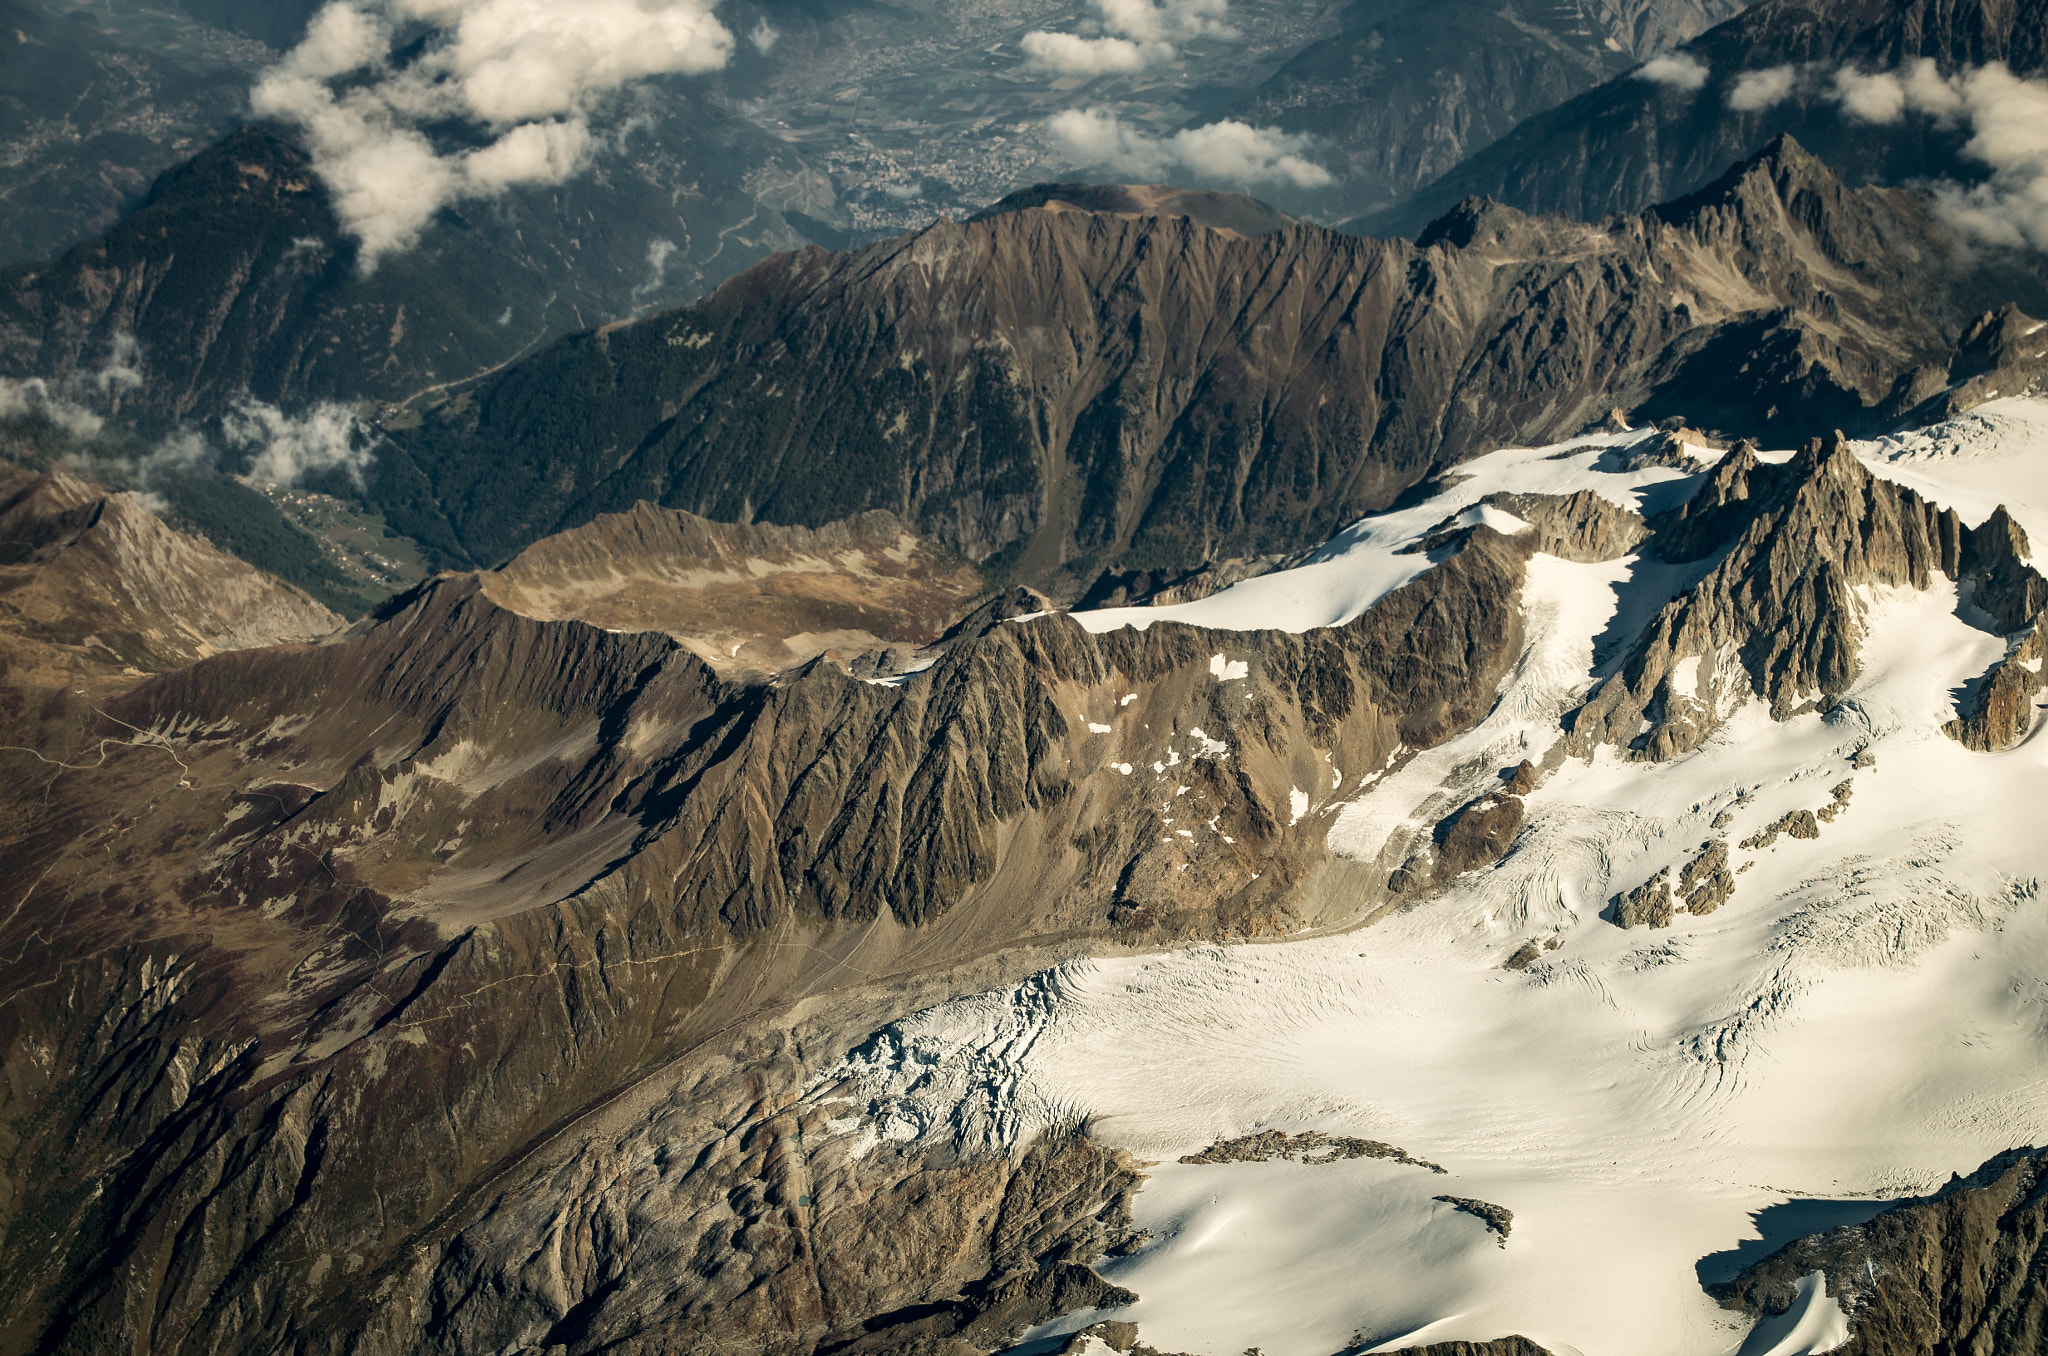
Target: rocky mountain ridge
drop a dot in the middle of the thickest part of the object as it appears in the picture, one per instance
(751, 598)
(305, 908)
(1066, 398)
(1633, 141)
(459, 801)
(95, 580)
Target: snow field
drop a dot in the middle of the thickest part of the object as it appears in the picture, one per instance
(1867, 1014)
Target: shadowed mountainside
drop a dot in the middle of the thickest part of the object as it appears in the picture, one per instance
(1065, 397)
(234, 278)
(1410, 88)
(1632, 142)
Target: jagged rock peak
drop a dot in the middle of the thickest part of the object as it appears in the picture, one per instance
(1776, 616)
(1475, 221)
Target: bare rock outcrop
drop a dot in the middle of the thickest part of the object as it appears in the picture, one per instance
(1501, 1346)
(1307, 1146)
(1791, 824)
(1498, 1218)
(1706, 883)
(1648, 905)
(1999, 707)
(1962, 1270)
(1582, 526)
(1774, 615)
(1520, 779)
(1478, 834)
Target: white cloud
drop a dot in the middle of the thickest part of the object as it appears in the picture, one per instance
(764, 36)
(531, 153)
(659, 252)
(180, 451)
(1755, 90)
(1067, 54)
(1231, 151)
(1148, 22)
(32, 397)
(2007, 118)
(1876, 97)
(530, 72)
(1242, 153)
(1928, 91)
(1675, 69)
(1127, 35)
(76, 405)
(287, 448)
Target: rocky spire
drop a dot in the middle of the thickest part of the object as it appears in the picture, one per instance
(1775, 616)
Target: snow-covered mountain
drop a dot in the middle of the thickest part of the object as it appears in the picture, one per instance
(1776, 979)
(1515, 920)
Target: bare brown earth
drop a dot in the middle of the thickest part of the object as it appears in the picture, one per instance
(745, 598)
(97, 577)
(1081, 401)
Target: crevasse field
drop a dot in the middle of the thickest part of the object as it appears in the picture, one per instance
(1867, 1015)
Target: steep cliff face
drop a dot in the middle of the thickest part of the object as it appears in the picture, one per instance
(1960, 1270)
(1632, 142)
(1065, 396)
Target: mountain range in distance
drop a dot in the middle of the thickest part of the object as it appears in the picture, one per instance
(1018, 744)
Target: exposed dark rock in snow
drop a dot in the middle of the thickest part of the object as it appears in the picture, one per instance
(1308, 1146)
(1963, 1270)
(1792, 824)
(1705, 883)
(1648, 905)
(1498, 1218)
